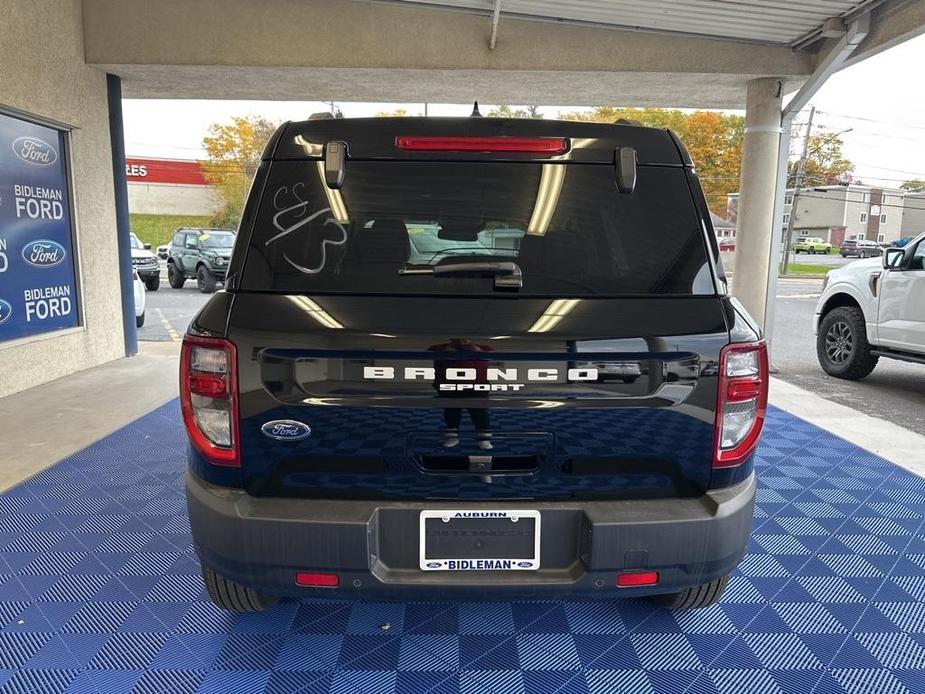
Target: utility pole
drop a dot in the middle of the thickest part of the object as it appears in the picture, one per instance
(798, 181)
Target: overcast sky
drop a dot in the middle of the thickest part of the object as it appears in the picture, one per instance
(881, 99)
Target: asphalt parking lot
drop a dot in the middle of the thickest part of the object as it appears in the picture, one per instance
(894, 391)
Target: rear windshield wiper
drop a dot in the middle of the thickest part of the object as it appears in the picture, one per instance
(506, 273)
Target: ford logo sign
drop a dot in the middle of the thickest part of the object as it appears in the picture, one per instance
(43, 253)
(6, 310)
(434, 565)
(525, 564)
(286, 430)
(32, 150)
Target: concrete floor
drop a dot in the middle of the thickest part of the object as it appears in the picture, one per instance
(42, 425)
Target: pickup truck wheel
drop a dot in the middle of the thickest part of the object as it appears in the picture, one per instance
(153, 284)
(140, 320)
(175, 278)
(697, 597)
(841, 345)
(205, 280)
(233, 596)
(812, 251)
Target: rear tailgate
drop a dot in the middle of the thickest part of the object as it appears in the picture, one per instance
(616, 401)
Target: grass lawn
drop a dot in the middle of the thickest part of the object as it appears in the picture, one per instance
(808, 269)
(158, 229)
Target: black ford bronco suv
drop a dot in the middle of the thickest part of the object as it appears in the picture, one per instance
(403, 389)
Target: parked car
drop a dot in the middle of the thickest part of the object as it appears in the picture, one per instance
(145, 264)
(871, 309)
(862, 249)
(140, 299)
(163, 251)
(727, 243)
(812, 245)
(200, 254)
(368, 420)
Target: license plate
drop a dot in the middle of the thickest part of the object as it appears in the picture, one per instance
(455, 540)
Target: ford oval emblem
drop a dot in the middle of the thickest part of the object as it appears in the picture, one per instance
(6, 310)
(32, 150)
(525, 564)
(434, 565)
(286, 430)
(43, 253)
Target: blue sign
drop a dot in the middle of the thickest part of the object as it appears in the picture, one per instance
(38, 285)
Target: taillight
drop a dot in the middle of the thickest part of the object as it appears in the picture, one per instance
(526, 145)
(742, 402)
(209, 398)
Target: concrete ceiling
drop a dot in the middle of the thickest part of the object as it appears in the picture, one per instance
(769, 22)
(555, 52)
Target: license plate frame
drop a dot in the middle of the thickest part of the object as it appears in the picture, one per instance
(474, 519)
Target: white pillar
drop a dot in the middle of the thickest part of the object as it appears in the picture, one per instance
(755, 224)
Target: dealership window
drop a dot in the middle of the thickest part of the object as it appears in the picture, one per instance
(863, 217)
(883, 219)
(38, 272)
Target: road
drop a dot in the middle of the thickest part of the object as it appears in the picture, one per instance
(830, 261)
(894, 391)
(169, 311)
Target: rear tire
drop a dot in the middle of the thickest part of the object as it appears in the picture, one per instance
(697, 597)
(175, 278)
(153, 284)
(140, 320)
(205, 280)
(841, 345)
(233, 596)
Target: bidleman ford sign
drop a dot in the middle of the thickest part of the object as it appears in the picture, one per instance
(38, 287)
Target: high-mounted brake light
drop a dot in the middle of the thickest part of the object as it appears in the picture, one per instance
(525, 145)
(741, 403)
(209, 398)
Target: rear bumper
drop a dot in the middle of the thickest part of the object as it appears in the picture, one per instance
(373, 545)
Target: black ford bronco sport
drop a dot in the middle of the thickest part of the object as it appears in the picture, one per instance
(405, 388)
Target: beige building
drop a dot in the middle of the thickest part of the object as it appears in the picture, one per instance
(836, 213)
(913, 214)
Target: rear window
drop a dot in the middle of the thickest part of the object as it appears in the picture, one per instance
(565, 227)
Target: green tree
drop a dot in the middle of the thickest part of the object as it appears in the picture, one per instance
(713, 139)
(397, 113)
(914, 185)
(505, 111)
(234, 150)
(826, 165)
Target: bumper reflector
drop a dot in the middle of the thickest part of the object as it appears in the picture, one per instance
(632, 579)
(313, 580)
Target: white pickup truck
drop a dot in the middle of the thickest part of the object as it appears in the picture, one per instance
(870, 309)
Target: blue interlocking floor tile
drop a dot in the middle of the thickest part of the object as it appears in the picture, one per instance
(100, 592)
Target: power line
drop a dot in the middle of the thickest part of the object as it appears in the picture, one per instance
(874, 120)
